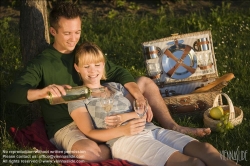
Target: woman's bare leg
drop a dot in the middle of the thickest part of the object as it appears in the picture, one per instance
(206, 153)
(179, 159)
(90, 151)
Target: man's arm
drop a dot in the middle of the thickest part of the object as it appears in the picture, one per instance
(28, 79)
(41, 76)
(49, 91)
(118, 74)
(133, 88)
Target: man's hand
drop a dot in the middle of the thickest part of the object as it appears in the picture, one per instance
(56, 90)
(149, 111)
(149, 114)
(47, 92)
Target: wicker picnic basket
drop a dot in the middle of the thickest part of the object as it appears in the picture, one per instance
(178, 77)
(235, 116)
(191, 99)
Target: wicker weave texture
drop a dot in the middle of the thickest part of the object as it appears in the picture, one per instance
(207, 97)
(235, 117)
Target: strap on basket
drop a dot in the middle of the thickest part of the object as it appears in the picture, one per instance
(230, 104)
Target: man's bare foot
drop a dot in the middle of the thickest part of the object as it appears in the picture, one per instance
(198, 132)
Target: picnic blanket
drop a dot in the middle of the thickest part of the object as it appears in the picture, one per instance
(35, 136)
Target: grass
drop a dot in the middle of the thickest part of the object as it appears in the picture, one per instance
(120, 38)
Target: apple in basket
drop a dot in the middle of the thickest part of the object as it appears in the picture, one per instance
(216, 112)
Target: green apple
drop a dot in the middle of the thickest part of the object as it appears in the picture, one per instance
(216, 112)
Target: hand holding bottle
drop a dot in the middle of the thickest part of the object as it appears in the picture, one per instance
(47, 92)
(71, 94)
(57, 90)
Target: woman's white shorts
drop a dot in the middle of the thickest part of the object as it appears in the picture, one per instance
(150, 147)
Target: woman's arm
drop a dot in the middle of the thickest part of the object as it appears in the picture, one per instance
(83, 120)
(117, 120)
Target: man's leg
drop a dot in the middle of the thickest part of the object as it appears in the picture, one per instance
(161, 113)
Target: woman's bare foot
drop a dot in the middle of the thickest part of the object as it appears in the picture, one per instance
(198, 132)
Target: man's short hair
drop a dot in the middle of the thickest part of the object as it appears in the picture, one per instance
(65, 9)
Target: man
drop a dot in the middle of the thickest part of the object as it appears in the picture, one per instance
(53, 70)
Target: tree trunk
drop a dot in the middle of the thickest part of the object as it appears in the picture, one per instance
(34, 33)
(34, 36)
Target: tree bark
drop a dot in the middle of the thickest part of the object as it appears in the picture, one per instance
(34, 36)
(34, 33)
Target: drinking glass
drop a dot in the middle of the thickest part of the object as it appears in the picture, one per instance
(155, 71)
(140, 108)
(107, 100)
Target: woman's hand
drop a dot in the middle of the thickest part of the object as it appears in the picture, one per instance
(113, 121)
(134, 126)
(117, 120)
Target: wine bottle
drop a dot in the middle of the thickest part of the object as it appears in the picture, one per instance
(75, 93)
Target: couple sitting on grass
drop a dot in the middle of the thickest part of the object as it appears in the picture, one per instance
(136, 141)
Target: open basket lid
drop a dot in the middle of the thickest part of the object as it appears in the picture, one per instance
(172, 65)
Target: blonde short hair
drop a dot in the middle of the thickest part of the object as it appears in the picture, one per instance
(88, 53)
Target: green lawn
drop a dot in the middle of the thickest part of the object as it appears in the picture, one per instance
(120, 38)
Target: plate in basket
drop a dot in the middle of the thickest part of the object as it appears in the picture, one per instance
(181, 72)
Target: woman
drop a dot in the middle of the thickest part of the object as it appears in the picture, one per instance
(132, 139)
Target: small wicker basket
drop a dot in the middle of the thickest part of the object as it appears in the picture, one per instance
(235, 116)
